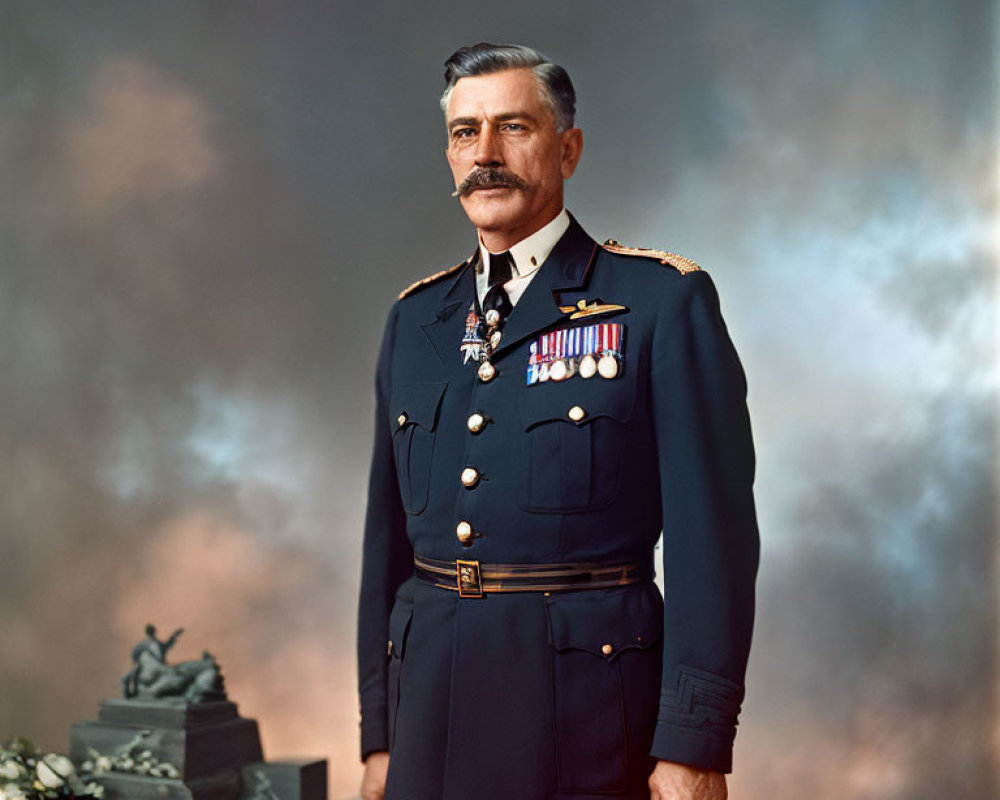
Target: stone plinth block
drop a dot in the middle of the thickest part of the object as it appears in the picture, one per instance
(222, 786)
(207, 744)
(166, 713)
(286, 780)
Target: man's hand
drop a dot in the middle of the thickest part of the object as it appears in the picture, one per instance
(373, 781)
(670, 781)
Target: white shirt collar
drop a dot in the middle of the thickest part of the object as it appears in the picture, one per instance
(529, 253)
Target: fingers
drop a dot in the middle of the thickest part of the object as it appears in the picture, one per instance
(670, 781)
(373, 780)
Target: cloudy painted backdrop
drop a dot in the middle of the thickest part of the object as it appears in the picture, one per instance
(207, 209)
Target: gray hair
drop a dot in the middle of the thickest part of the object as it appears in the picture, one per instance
(485, 58)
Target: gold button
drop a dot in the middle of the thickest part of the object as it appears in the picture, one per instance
(476, 422)
(470, 477)
(463, 531)
(607, 649)
(401, 419)
(576, 413)
(487, 372)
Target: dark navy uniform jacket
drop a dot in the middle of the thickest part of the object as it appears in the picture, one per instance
(569, 694)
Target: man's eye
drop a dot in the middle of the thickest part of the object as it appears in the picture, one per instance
(463, 133)
(515, 127)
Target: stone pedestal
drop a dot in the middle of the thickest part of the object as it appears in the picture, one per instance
(208, 743)
(285, 780)
(222, 786)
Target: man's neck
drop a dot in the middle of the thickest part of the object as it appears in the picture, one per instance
(527, 257)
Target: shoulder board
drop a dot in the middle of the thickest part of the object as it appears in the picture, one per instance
(680, 263)
(431, 279)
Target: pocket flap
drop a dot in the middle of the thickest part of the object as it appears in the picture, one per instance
(416, 404)
(606, 624)
(399, 626)
(578, 401)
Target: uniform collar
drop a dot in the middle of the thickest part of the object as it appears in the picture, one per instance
(568, 265)
(530, 253)
(567, 268)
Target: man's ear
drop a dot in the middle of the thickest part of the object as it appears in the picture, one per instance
(572, 149)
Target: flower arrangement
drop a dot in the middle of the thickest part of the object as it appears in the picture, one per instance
(132, 757)
(26, 774)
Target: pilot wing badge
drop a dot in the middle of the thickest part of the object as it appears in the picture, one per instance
(595, 308)
(586, 350)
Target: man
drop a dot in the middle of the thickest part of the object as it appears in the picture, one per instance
(544, 409)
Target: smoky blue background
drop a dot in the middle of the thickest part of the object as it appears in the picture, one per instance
(207, 210)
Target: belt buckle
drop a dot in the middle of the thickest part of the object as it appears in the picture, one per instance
(470, 580)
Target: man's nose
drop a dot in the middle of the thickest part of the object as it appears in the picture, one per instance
(488, 149)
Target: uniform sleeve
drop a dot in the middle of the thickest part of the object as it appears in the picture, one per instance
(387, 560)
(710, 538)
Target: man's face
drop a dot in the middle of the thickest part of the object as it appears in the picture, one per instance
(503, 142)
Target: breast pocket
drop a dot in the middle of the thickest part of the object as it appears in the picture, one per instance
(575, 431)
(413, 410)
(606, 678)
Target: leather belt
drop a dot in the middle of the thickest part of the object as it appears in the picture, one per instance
(473, 579)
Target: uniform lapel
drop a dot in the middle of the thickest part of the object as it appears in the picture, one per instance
(566, 268)
(446, 328)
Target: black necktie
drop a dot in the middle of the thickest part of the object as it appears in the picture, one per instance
(496, 297)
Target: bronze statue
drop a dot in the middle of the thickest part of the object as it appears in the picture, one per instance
(152, 678)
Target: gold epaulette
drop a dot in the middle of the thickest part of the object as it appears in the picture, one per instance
(430, 279)
(680, 263)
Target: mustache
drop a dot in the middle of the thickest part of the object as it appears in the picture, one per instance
(489, 178)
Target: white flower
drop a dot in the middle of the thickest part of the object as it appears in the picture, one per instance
(12, 792)
(61, 765)
(47, 777)
(11, 770)
(102, 764)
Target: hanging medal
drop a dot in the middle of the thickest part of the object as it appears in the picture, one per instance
(482, 337)
(607, 366)
(473, 346)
